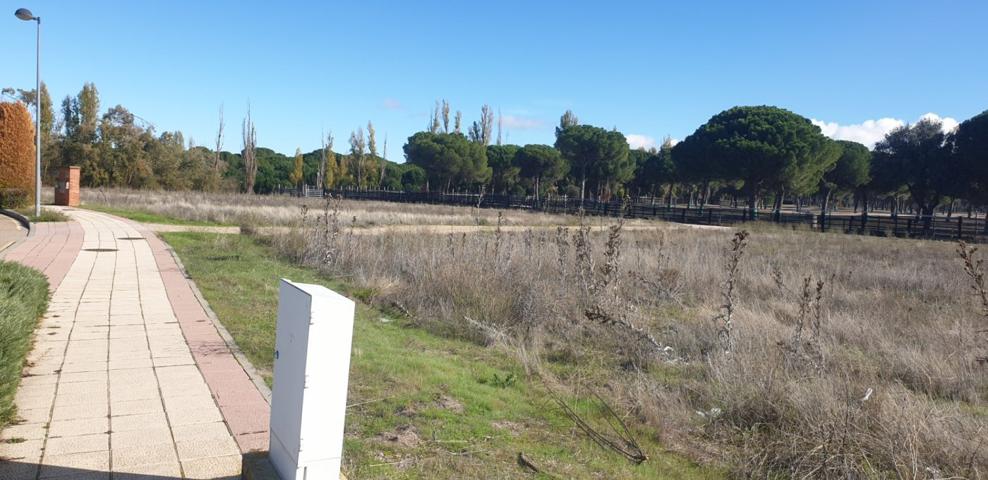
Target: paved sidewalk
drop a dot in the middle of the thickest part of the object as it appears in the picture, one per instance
(10, 231)
(128, 375)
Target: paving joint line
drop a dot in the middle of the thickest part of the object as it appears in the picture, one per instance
(154, 369)
(58, 381)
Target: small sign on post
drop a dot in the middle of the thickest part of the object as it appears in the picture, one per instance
(311, 371)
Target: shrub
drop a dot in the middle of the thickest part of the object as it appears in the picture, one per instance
(23, 299)
(16, 155)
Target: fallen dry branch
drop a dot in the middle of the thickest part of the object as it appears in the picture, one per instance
(620, 439)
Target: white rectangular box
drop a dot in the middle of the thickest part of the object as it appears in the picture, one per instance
(311, 372)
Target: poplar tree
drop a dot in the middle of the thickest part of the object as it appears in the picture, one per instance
(357, 149)
(332, 171)
(249, 152)
(372, 167)
(445, 116)
(297, 174)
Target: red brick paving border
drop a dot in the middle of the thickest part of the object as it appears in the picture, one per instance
(50, 248)
(242, 405)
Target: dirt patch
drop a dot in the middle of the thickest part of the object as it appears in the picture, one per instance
(404, 435)
(406, 410)
(446, 402)
(508, 425)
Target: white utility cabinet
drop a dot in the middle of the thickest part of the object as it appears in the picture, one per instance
(311, 371)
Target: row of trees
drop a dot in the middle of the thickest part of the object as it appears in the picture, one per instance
(762, 154)
(581, 154)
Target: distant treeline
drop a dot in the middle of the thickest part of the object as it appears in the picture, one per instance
(761, 155)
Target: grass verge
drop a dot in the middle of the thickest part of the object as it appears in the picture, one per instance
(47, 215)
(23, 299)
(148, 217)
(421, 406)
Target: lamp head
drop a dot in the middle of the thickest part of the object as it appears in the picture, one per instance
(24, 14)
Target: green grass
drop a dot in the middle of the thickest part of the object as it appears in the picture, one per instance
(23, 299)
(471, 408)
(47, 215)
(147, 217)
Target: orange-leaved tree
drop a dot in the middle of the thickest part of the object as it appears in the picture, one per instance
(16, 155)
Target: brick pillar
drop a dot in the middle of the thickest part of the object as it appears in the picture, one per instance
(67, 187)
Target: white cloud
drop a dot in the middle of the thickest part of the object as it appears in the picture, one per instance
(392, 104)
(949, 124)
(870, 132)
(636, 141)
(517, 122)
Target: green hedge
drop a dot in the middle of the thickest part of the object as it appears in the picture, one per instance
(23, 300)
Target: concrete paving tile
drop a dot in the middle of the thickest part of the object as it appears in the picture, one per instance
(226, 468)
(130, 459)
(125, 363)
(43, 369)
(187, 389)
(27, 450)
(149, 436)
(35, 390)
(84, 367)
(95, 388)
(34, 415)
(133, 392)
(83, 426)
(203, 431)
(41, 402)
(173, 361)
(127, 423)
(76, 377)
(70, 399)
(73, 474)
(215, 447)
(75, 412)
(60, 466)
(194, 416)
(34, 380)
(24, 431)
(83, 443)
(136, 407)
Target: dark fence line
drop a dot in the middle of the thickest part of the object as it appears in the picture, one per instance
(937, 227)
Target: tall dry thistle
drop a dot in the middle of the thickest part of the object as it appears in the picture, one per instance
(801, 349)
(725, 319)
(331, 230)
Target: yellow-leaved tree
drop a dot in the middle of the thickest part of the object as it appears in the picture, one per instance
(17, 155)
(297, 174)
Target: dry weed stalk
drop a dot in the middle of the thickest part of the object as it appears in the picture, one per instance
(799, 350)
(331, 231)
(604, 305)
(725, 319)
(974, 268)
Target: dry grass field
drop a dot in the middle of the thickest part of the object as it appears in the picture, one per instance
(269, 210)
(776, 354)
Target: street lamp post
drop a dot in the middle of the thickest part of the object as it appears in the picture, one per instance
(26, 15)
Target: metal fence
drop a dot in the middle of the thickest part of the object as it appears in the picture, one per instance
(940, 227)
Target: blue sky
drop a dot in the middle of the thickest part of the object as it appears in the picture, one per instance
(649, 68)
